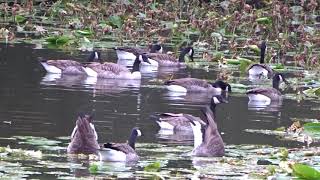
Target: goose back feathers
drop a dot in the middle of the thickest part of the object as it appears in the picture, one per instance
(84, 138)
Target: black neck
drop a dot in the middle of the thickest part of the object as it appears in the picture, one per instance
(132, 140)
(213, 108)
(136, 66)
(181, 56)
(262, 54)
(275, 83)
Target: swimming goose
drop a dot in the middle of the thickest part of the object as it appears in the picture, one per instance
(115, 71)
(169, 60)
(184, 85)
(267, 94)
(181, 122)
(207, 140)
(257, 70)
(121, 151)
(84, 138)
(129, 53)
(68, 66)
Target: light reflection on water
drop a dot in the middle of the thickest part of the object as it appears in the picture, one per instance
(46, 105)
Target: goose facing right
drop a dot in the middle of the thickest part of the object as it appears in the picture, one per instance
(268, 94)
(68, 66)
(129, 53)
(121, 152)
(184, 85)
(116, 71)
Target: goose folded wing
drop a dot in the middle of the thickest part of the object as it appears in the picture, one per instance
(262, 91)
(63, 63)
(161, 57)
(123, 147)
(188, 82)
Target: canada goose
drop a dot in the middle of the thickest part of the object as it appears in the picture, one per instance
(115, 71)
(68, 66)
(84, 138)
(121, 151)
(184, 85)
(169, 60)
(267, 94)
(207, 139)
(257, 70)
(129, 53)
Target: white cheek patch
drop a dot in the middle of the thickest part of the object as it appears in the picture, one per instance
(161, 50)
(216, 100)
(96, 55)
(140, 58)
(280, 78)
(190, 52)
(139, 132)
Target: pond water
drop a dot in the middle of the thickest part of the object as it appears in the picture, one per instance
(34, 103)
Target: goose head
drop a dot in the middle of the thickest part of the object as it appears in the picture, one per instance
(135, 132)
(222, 85)
(94, 57)
(143, 58)
(277, 79)
(156, 48)
(218, 99)
(186, 51)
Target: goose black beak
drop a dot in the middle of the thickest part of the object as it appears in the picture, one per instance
(145, 59)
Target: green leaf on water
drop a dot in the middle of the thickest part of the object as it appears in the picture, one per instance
(312, 92)
(254, 48)
(264, 20)
(116, 21)
(154, 167)
(20, 19)
(93, 169)
(305, 172)
(58, 40)
(279, 66)
(84, 32)
(312, 127)
(284, 153)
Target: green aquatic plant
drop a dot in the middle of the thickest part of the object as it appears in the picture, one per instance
(305, 172)
(153, 167)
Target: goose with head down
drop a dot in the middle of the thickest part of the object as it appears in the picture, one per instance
(129, 53)
(116, 71)
(181, 122)
(123, 152)
(68, 66)
(167, 60)
(84, 138)
(268, 94)
(207, 140)
(184, 85)
(262, 69)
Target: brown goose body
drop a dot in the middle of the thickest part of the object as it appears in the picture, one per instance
(84, 137)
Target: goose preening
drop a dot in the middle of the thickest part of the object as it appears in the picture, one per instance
(129, 53)
(184, 85)
(115, 71)
(124, 152)
(181, 122)
(68, 66)
(267, 94)
(262, 69)
(84, 138)
(207, 139)
(169, 60)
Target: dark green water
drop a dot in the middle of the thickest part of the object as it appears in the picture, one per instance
(36, 104)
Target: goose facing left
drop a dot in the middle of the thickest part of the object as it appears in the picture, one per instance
(115, 71)
(84, 138)
(129, 53)
(121, 152)
(68, 66)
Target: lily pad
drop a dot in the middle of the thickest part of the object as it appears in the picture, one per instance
(305, 172)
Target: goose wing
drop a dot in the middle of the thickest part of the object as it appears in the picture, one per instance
(189, 82)
(264, 91)
(133, 50)
(161, 57)
(108, 67)
(62, 64)
(123, 147)
(84, 138)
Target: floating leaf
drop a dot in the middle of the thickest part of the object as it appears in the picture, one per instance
(20, 19)
(154, 167)
(84, 32)
(312, 92)
(116, 21)
(264, 20)
(93, 169)
(58, 40)
(312, 127)
(305, 172)
(254, 48)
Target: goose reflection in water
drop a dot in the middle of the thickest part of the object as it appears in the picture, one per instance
(63, 80)
(274, 106)
(102, 86)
